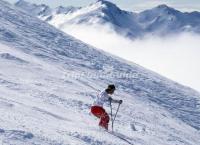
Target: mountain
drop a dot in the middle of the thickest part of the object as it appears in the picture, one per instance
(164, 19)
(48, 81)
(161, 20)
(33, 9)
(102, 12)
(43, 10)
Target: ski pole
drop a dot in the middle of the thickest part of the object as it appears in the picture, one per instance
(111, 114)
(115, 116)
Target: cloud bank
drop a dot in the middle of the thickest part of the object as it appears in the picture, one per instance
(175, 57)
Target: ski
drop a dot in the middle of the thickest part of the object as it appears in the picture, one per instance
(120, 137)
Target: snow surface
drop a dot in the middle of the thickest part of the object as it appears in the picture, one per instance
(161, 20)
(47, 88)
(103, 25)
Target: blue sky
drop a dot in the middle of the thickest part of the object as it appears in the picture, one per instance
(132, 5)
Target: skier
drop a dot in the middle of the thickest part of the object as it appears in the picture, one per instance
(97, 107)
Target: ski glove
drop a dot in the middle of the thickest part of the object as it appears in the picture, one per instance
(114, 101)
(120, 101)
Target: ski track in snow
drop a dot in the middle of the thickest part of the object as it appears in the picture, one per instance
(41, 105)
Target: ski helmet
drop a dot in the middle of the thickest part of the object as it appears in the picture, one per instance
(111, 87)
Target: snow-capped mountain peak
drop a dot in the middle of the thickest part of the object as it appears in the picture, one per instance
(159, 11)
(34, 9)
(164, 6)
(22, 3)
(165, 10)
(99, 7)
(65, 10)
(105, 4)
(102, 12)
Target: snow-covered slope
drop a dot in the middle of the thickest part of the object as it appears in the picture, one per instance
(48, 80)
(161, 20)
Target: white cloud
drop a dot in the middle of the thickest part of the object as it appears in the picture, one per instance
(176, 57)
